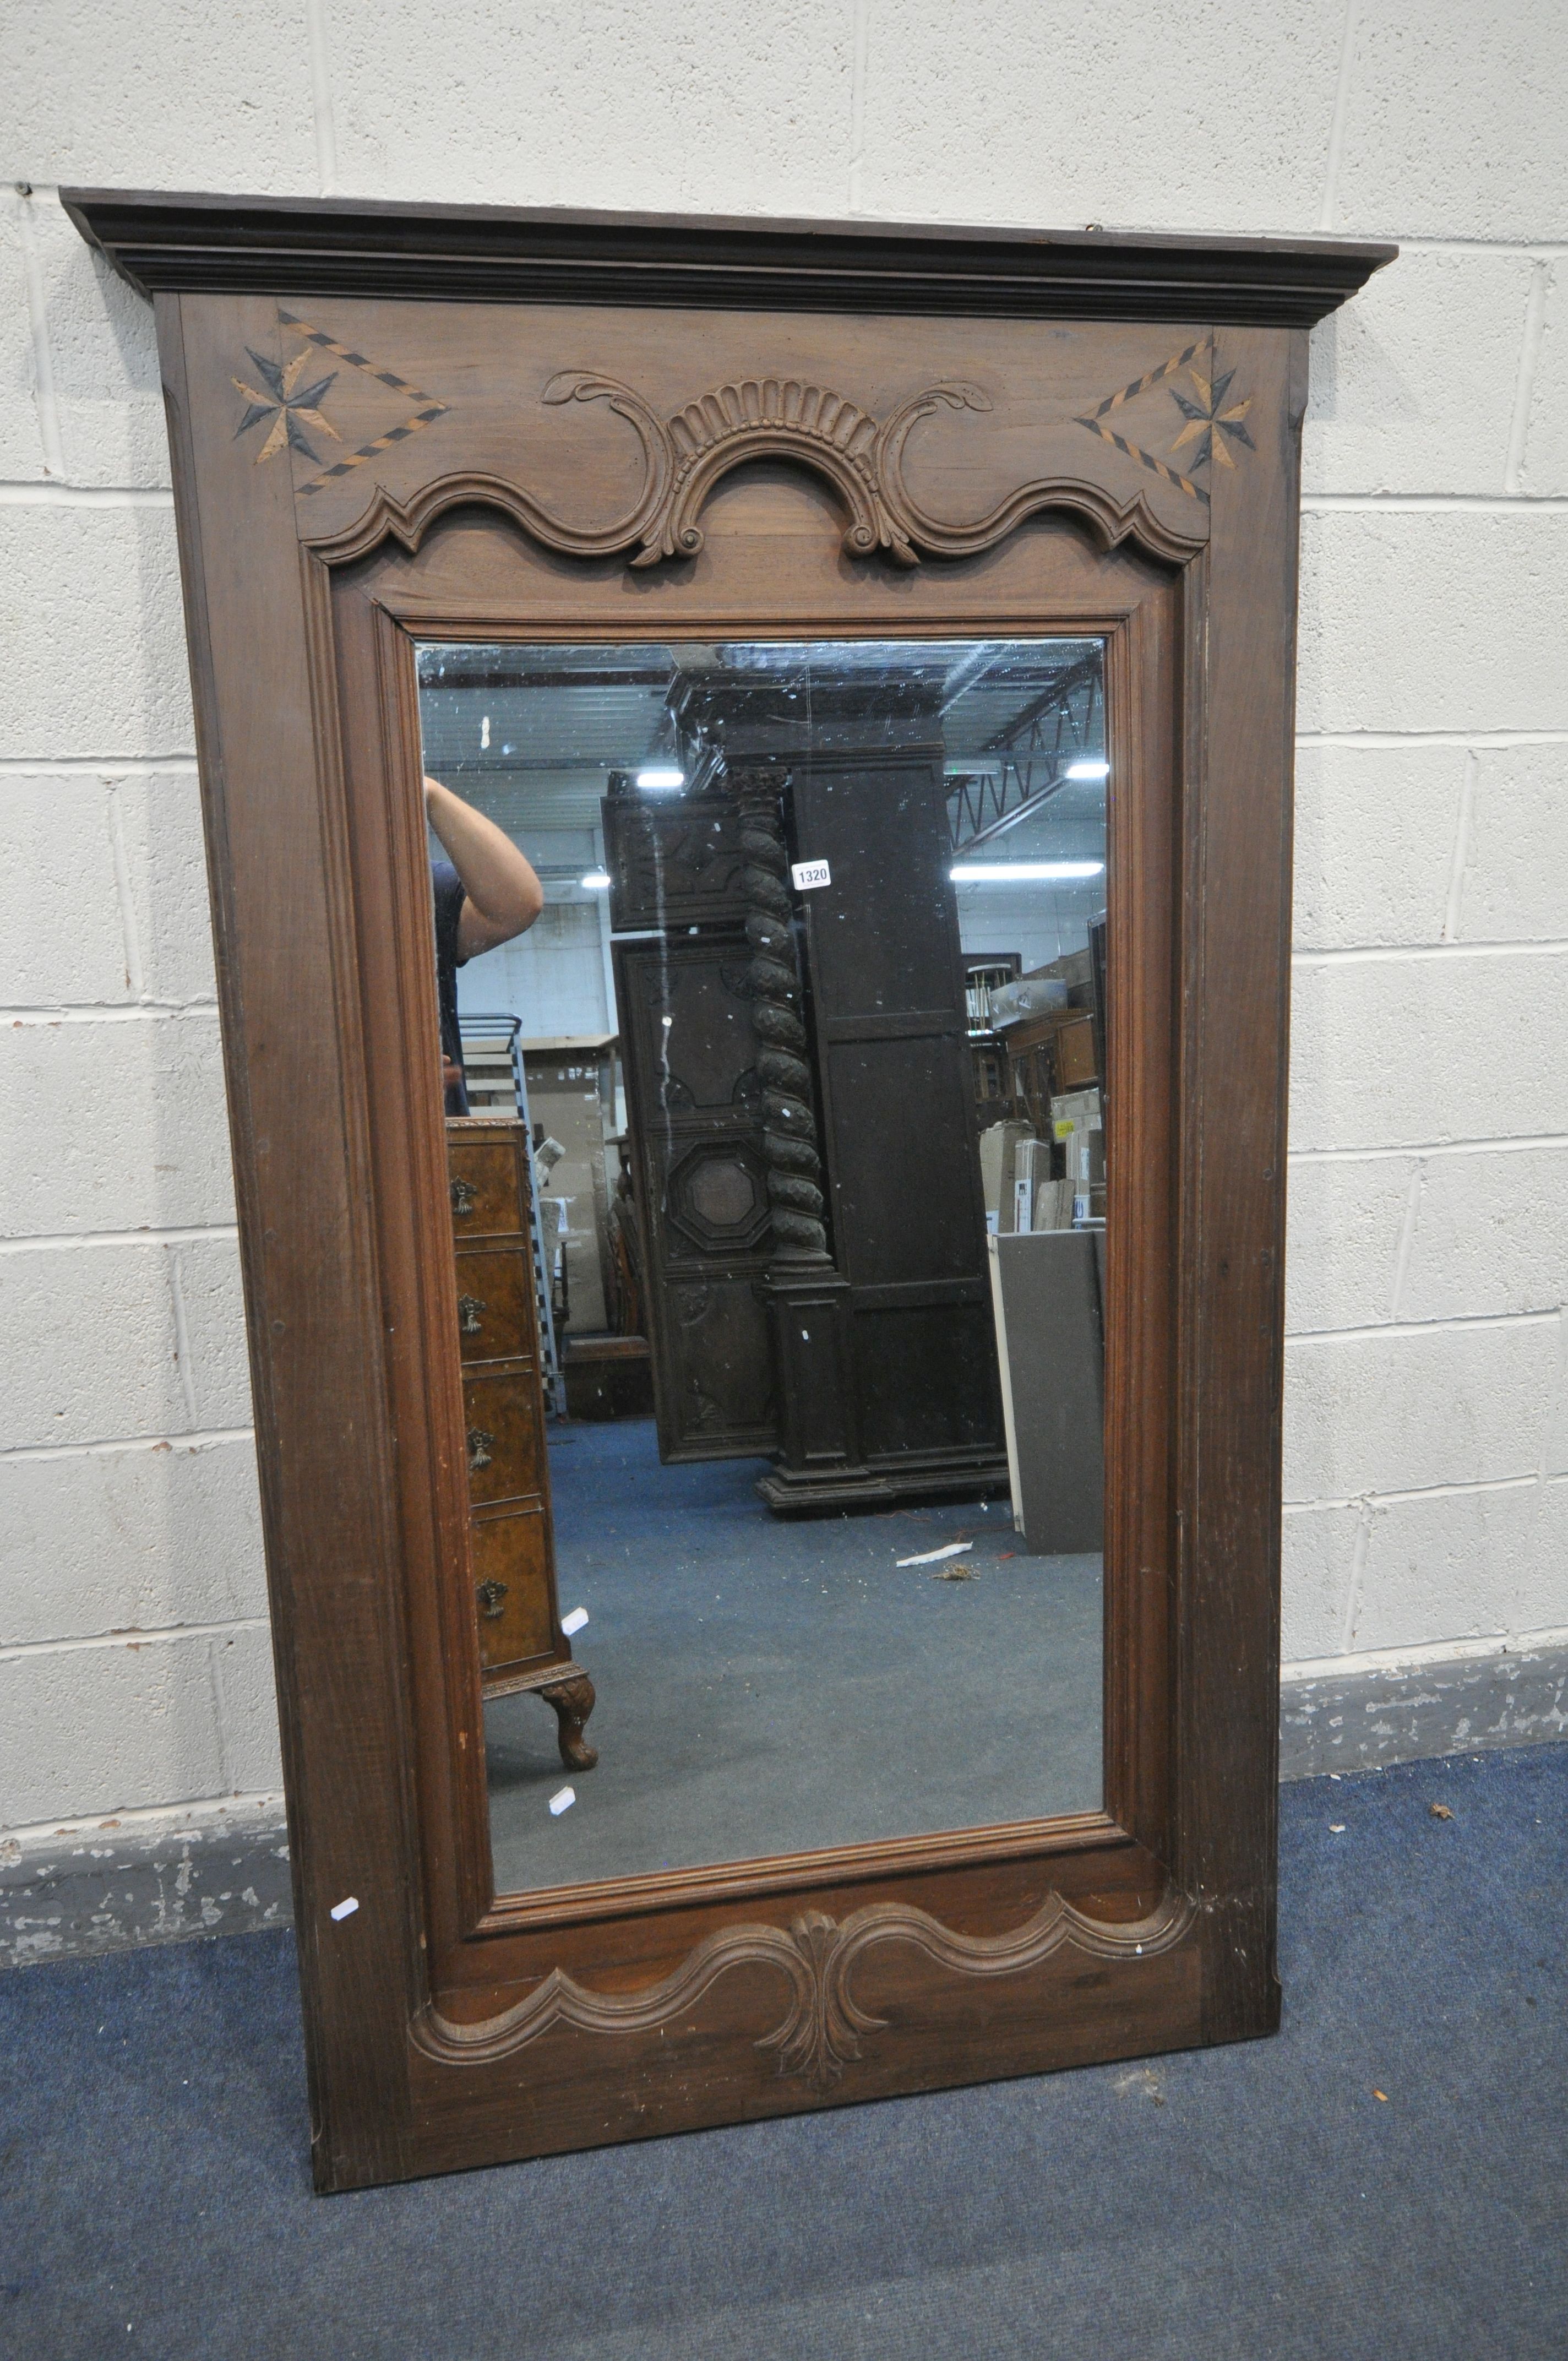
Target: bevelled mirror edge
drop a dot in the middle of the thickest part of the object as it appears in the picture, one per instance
(351, 1805)
(776, 1867)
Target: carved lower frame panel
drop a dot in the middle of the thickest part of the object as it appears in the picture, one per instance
(823, 2027)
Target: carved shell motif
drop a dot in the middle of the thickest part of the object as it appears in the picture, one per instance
(766, 412)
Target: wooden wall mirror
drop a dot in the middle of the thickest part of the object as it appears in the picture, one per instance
(747, 776)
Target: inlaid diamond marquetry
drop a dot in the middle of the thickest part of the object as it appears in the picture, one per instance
(1211, 423)
(295, 409)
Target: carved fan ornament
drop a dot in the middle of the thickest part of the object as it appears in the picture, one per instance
(755, 418)
(822, 2029)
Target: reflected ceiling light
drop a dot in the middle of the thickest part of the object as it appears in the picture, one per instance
(597, 881)
(1088, 771)
(1019, 872)
(659, 776)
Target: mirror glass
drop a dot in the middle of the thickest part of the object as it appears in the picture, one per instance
(773, 985)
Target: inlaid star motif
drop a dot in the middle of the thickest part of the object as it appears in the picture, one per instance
(291, 406)
(1208, 424)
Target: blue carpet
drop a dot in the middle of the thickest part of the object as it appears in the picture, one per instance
(1257, 2202)
(771, 1684)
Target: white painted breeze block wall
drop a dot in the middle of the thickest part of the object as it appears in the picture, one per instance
(1427, 1460)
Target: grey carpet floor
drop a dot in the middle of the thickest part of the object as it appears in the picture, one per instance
(771, 1684)
(1256, 2204)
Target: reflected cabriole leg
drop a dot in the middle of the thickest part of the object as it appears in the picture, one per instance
(572, 1699)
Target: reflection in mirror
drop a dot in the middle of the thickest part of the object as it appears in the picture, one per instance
(773, 990)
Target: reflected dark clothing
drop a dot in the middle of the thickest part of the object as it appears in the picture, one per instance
(446, 887)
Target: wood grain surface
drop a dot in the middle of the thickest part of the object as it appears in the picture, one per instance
(447, 2025)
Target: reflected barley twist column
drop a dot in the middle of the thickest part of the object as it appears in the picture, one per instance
(789, 1115)
(807, 1296)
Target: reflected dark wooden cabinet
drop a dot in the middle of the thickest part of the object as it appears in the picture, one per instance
(579, 430)
(518, 1610)
(800, 1088)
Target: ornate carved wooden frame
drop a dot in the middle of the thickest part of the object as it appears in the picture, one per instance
(1004, 430)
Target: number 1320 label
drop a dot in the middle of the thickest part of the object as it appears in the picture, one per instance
(807, 874)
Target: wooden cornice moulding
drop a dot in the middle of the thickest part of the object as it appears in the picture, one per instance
(346, 246)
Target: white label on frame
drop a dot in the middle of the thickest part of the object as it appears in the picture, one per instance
(345, 1909)
(809, 874)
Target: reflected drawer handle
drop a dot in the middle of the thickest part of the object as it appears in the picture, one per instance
(491, 1597)
(464, 1197)
(468, 1309)
(479, 1444)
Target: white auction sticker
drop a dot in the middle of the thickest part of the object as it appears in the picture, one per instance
(807, 874)
(575, 1621)
(345, 1909)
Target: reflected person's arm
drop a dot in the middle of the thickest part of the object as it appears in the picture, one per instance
(502, 895)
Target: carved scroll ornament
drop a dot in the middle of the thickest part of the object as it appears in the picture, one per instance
(759, 418)
(824, 2024)
(685, 455)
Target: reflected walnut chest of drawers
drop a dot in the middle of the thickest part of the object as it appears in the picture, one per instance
(522, 1645)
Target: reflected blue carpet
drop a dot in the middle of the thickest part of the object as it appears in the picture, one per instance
(1258, 2203)
(773, 1685)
